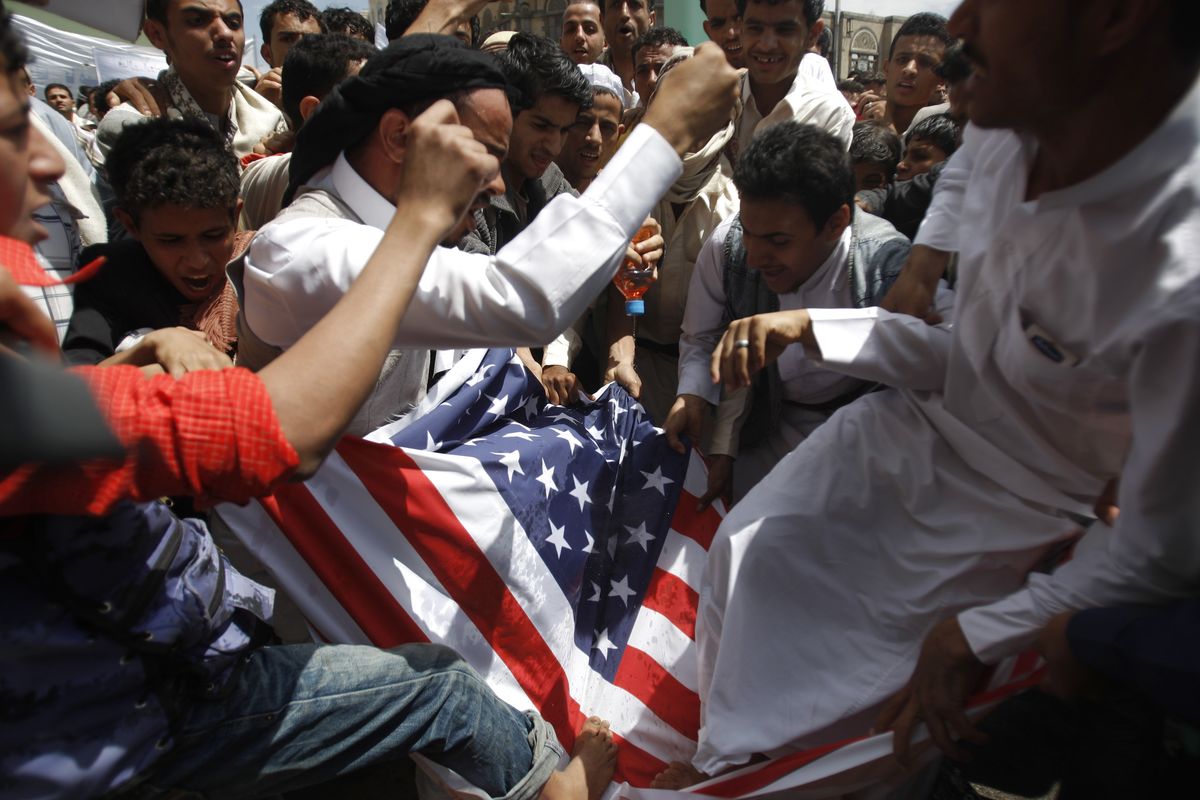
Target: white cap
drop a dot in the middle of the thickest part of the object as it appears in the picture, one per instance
(604, 79)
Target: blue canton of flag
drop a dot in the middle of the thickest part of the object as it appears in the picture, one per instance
(594, 487)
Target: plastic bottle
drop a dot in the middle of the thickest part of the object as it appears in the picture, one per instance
(633, 282)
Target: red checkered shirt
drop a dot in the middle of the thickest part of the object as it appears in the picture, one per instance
(212, 435)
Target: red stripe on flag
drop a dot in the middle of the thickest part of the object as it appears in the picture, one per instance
(674, 599)
(634, 765)
(660, 691)
(418, 509)
(772, 771)
(339, 566)
(700, 526)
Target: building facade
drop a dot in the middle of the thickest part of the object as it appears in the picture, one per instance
(861, 41)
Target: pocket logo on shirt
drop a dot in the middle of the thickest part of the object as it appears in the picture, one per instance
(1045, 344)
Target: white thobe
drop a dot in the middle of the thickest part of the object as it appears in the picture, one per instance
(527, 294)
(1072, 360)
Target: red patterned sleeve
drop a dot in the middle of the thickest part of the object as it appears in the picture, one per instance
(212, 435)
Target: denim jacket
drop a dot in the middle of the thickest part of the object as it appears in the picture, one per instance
(877, 254)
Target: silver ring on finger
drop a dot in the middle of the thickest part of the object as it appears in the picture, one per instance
(742, 343)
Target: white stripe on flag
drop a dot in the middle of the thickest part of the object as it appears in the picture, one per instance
(655, 634)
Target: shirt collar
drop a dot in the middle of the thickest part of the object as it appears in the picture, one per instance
(831, 274)
(370, 206)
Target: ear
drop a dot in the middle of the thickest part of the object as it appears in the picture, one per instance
(837, 224)
(653, 18)
(393, 134)
(620, 130)
(265, 52)
(1120, 23)
(814, 33)
(308, 104)
(708, 30)
(156, 32)
(126, 220)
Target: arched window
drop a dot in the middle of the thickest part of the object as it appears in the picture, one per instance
(864, 42)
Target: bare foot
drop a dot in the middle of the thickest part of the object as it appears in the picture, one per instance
(590, 770)
(678, 775)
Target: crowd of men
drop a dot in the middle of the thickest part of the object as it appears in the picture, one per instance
(936, 332)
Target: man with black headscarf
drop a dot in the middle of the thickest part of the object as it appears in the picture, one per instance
(350, 155)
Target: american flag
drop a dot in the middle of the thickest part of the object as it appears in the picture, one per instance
(558, 549)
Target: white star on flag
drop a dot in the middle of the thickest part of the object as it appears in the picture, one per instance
(591, 543)
(498, 405)
(640, 535)
(657, 480)
(570, 439)
(547, 479)
(603, 644)
(617, 410)
(430, 444)
(580, 492)
(479, 377)
(621, 589)
(563, 416)
(529, 437)
(558, 538)
(595, 433)
(595, 598)
(511, 460)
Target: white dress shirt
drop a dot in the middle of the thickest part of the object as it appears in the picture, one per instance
(810, 101)
(525, 295)
(803, 380)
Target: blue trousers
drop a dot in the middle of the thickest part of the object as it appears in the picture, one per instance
(302, 715)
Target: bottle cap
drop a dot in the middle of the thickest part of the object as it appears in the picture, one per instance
(635, 307)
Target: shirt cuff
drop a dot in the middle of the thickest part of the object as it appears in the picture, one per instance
(841, 333)
(697, 382)
(653, 167)
(1003, 628)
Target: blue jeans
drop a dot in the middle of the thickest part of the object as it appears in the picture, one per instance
(302, 715)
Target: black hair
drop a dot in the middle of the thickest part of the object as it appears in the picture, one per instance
(180, 162)
(657, 37)
(704, 7)
(940, 129)
(924, 24)
(315, 64)
(850, 86)
(301, 9)
(825, 42)
(12, 46)
(799, 164)
(813, 9)
(1185, 19)
(49, 86)
(535, 66)
(401, 14)
(348, 22)
(871, 77)
(100, 95)
(955, 66)
(874, 143)
(157, 10)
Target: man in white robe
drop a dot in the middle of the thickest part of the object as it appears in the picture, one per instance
(1071, 360)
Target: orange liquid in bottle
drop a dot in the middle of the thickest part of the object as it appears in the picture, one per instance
(632, 281)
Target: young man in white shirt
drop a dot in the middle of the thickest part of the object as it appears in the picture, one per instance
(723, 25)
(776, 36)
(798, 242)
(532, 288)
(917, 513)
(203, 41)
